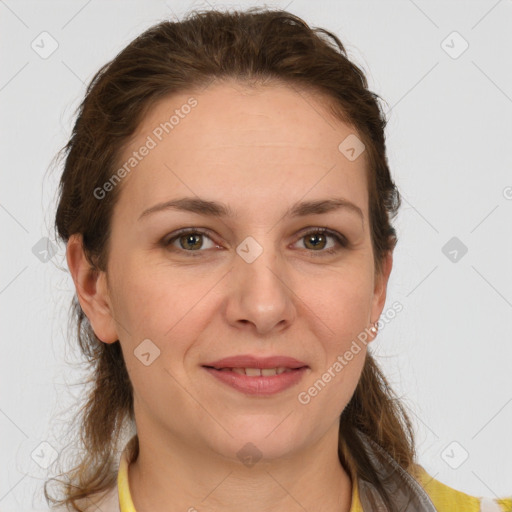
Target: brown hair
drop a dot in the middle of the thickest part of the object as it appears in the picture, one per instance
(254, 46)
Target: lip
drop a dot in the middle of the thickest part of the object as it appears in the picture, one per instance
(250, 361)
(259, 386)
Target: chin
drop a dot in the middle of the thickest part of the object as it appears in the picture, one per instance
(261, 438)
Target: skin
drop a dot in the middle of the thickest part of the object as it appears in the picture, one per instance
(258, 150)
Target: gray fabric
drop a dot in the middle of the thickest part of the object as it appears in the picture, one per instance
(406, 493)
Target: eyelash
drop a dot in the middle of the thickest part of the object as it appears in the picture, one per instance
(340, 239)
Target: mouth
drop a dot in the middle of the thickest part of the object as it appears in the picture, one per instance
(257, 372)
(258, 381)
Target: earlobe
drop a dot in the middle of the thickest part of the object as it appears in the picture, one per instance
(91, 290)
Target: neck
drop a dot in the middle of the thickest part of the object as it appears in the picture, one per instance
(169, 475)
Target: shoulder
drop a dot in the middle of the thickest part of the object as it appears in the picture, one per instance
(447, 499)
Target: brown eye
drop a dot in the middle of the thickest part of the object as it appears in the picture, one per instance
(189, 241)
(317, 241)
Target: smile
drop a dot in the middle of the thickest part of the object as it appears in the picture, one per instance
(257, 372)
(258, 381)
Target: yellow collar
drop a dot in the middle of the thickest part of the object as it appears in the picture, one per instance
(123, 486)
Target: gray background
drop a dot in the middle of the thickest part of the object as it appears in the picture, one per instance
(447, 354)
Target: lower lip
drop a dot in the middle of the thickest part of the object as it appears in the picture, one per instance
(263, 386)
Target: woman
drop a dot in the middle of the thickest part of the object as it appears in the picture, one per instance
(226, 204)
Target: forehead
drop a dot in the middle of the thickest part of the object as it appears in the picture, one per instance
(232, 112)
(265, 140)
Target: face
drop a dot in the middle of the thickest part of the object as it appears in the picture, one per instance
(255, 279)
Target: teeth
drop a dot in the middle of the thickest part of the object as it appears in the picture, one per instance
(257, 372)
(253, 372)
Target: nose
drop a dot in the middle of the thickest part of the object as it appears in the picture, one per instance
(260, 296)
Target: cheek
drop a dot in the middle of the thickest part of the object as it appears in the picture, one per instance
(341, 305)
(165, 305)
(148, 295)
(153, 307)
(340, 299)
(343, 380)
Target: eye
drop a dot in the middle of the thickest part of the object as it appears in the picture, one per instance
(317, 240)
(189, 240)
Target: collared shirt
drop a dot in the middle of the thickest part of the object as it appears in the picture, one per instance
(412, 492)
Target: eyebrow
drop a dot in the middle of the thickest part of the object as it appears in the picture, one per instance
(217, 209)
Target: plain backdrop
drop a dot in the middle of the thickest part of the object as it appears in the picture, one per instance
(444, 70)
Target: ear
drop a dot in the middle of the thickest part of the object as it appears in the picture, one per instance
(379, 293)
(91, 289)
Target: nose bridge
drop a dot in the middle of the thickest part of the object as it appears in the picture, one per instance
(258, 265)
(260, 294)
